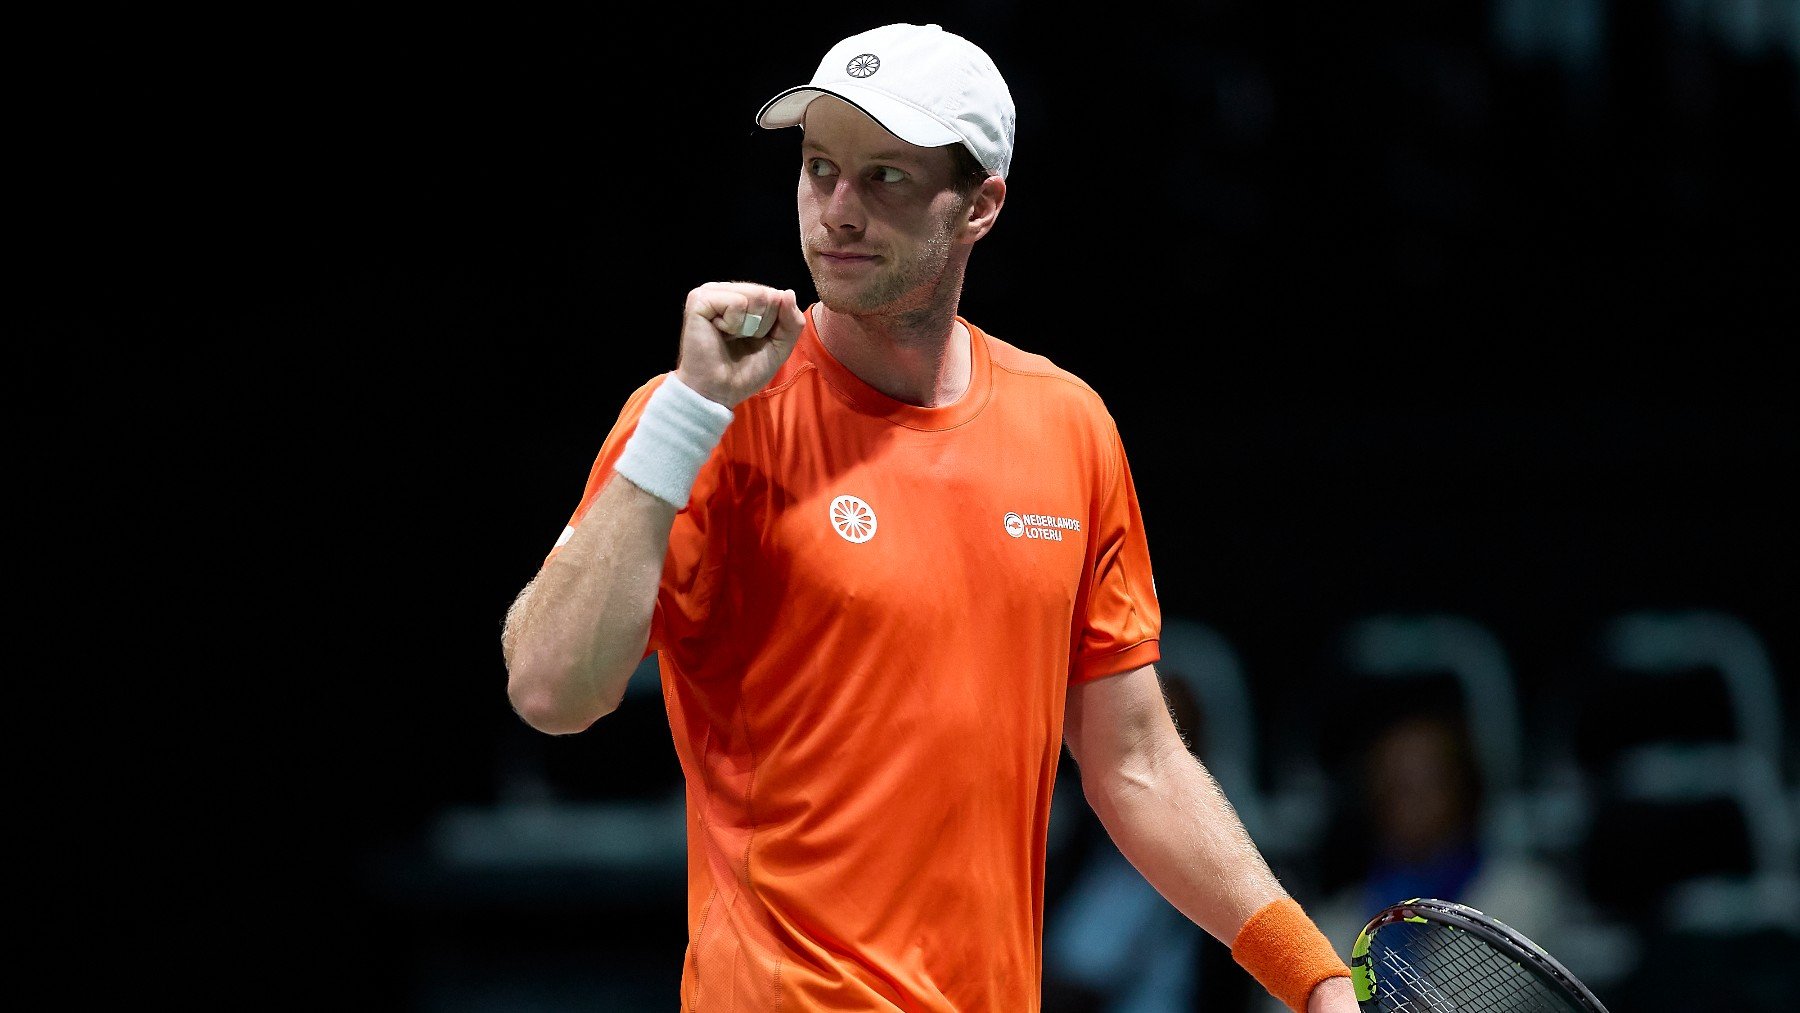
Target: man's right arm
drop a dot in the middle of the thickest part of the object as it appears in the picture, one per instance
(575, 634)
(578, 630)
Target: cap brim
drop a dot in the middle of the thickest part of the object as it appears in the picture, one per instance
(788, 109)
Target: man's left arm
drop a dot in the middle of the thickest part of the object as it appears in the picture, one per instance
(1170, 819)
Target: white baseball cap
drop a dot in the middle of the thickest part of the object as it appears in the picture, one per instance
(926, 86)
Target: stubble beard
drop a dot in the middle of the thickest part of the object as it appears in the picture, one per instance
(900, 286)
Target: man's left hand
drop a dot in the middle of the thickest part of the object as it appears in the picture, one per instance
(1333, 995)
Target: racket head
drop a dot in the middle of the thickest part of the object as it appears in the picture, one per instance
(1424, 954)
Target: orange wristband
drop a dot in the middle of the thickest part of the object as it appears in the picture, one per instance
(1282, 948)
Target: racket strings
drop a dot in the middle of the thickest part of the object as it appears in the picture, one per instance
(1439, 968)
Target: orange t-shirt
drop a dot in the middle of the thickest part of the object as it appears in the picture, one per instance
(869, 617)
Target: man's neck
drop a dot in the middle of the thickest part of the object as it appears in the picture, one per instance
(922, 360)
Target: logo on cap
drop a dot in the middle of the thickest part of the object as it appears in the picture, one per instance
(863, 66)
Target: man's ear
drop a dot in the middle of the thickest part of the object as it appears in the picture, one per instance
(984, 206)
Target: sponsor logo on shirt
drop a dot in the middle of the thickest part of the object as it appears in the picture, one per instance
(853, 519)
(1042, 527)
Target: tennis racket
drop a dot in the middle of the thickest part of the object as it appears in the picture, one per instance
(1427, 956)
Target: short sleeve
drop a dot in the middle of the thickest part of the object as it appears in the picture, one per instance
(696, 540)
(1120, 622)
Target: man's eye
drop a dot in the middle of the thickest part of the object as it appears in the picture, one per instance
(889, 174)
(818, 167)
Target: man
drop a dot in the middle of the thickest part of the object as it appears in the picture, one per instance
(1423, 761)
(888, 562)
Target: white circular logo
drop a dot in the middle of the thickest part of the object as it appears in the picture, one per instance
(863, 66)
(853, 519)
(1015, 525)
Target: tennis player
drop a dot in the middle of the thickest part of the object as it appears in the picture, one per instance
(889, 562)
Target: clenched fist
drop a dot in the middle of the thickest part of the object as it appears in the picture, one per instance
(734, 337)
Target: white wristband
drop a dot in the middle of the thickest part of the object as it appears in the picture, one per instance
(674, 437)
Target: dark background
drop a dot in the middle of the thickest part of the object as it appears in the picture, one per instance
(1481, 309)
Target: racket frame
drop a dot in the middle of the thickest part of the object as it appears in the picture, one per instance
(1498, 934)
